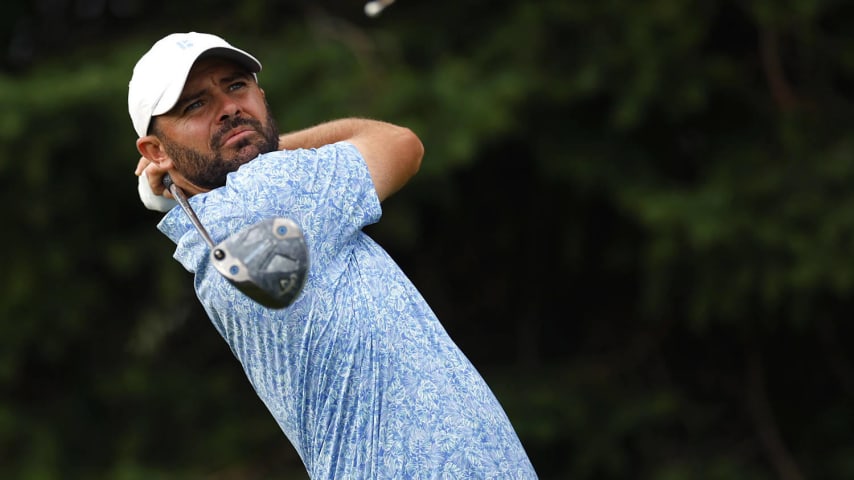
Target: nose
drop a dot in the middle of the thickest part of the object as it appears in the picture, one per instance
(229, 108)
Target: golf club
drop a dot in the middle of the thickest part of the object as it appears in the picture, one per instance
(267, 261)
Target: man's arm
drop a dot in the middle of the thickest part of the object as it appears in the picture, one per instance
(392, 153)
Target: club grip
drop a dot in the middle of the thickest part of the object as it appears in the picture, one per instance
(167, 181)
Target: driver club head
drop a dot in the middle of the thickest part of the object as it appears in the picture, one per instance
(267, 261)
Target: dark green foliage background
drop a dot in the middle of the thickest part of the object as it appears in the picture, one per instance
(635, 217)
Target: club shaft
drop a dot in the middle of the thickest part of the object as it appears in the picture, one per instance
(188, 209)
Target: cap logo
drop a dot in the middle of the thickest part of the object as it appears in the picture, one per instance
(184, 44)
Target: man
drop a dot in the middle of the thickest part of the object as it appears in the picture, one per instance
(358, 371)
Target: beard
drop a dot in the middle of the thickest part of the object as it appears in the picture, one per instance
(210, 170)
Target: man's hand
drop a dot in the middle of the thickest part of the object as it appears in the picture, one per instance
(151, 190)
(155, 176)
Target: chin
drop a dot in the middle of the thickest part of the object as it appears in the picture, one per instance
(246, 154)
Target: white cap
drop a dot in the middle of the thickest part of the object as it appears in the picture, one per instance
(159, 76)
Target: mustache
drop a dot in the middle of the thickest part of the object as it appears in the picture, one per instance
(230, 125)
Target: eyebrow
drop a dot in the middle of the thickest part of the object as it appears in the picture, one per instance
(192, 96)
(189, 97)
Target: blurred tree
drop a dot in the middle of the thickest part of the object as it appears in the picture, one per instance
(633, 216)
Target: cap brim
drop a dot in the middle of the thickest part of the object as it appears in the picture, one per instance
(234, 54)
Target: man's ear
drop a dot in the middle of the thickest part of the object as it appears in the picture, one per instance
(151, 148)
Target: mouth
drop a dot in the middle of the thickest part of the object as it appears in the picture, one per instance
(237, 135)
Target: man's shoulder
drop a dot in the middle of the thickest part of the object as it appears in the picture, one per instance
(344, 154)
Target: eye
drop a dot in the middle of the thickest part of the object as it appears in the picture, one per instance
(193, 105)
(236, 86)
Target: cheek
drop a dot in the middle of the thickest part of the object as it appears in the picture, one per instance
(196, 133)
(258, 108)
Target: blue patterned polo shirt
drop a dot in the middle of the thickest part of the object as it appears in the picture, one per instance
(358, 372)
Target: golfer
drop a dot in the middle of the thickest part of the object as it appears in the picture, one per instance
(358, 371)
